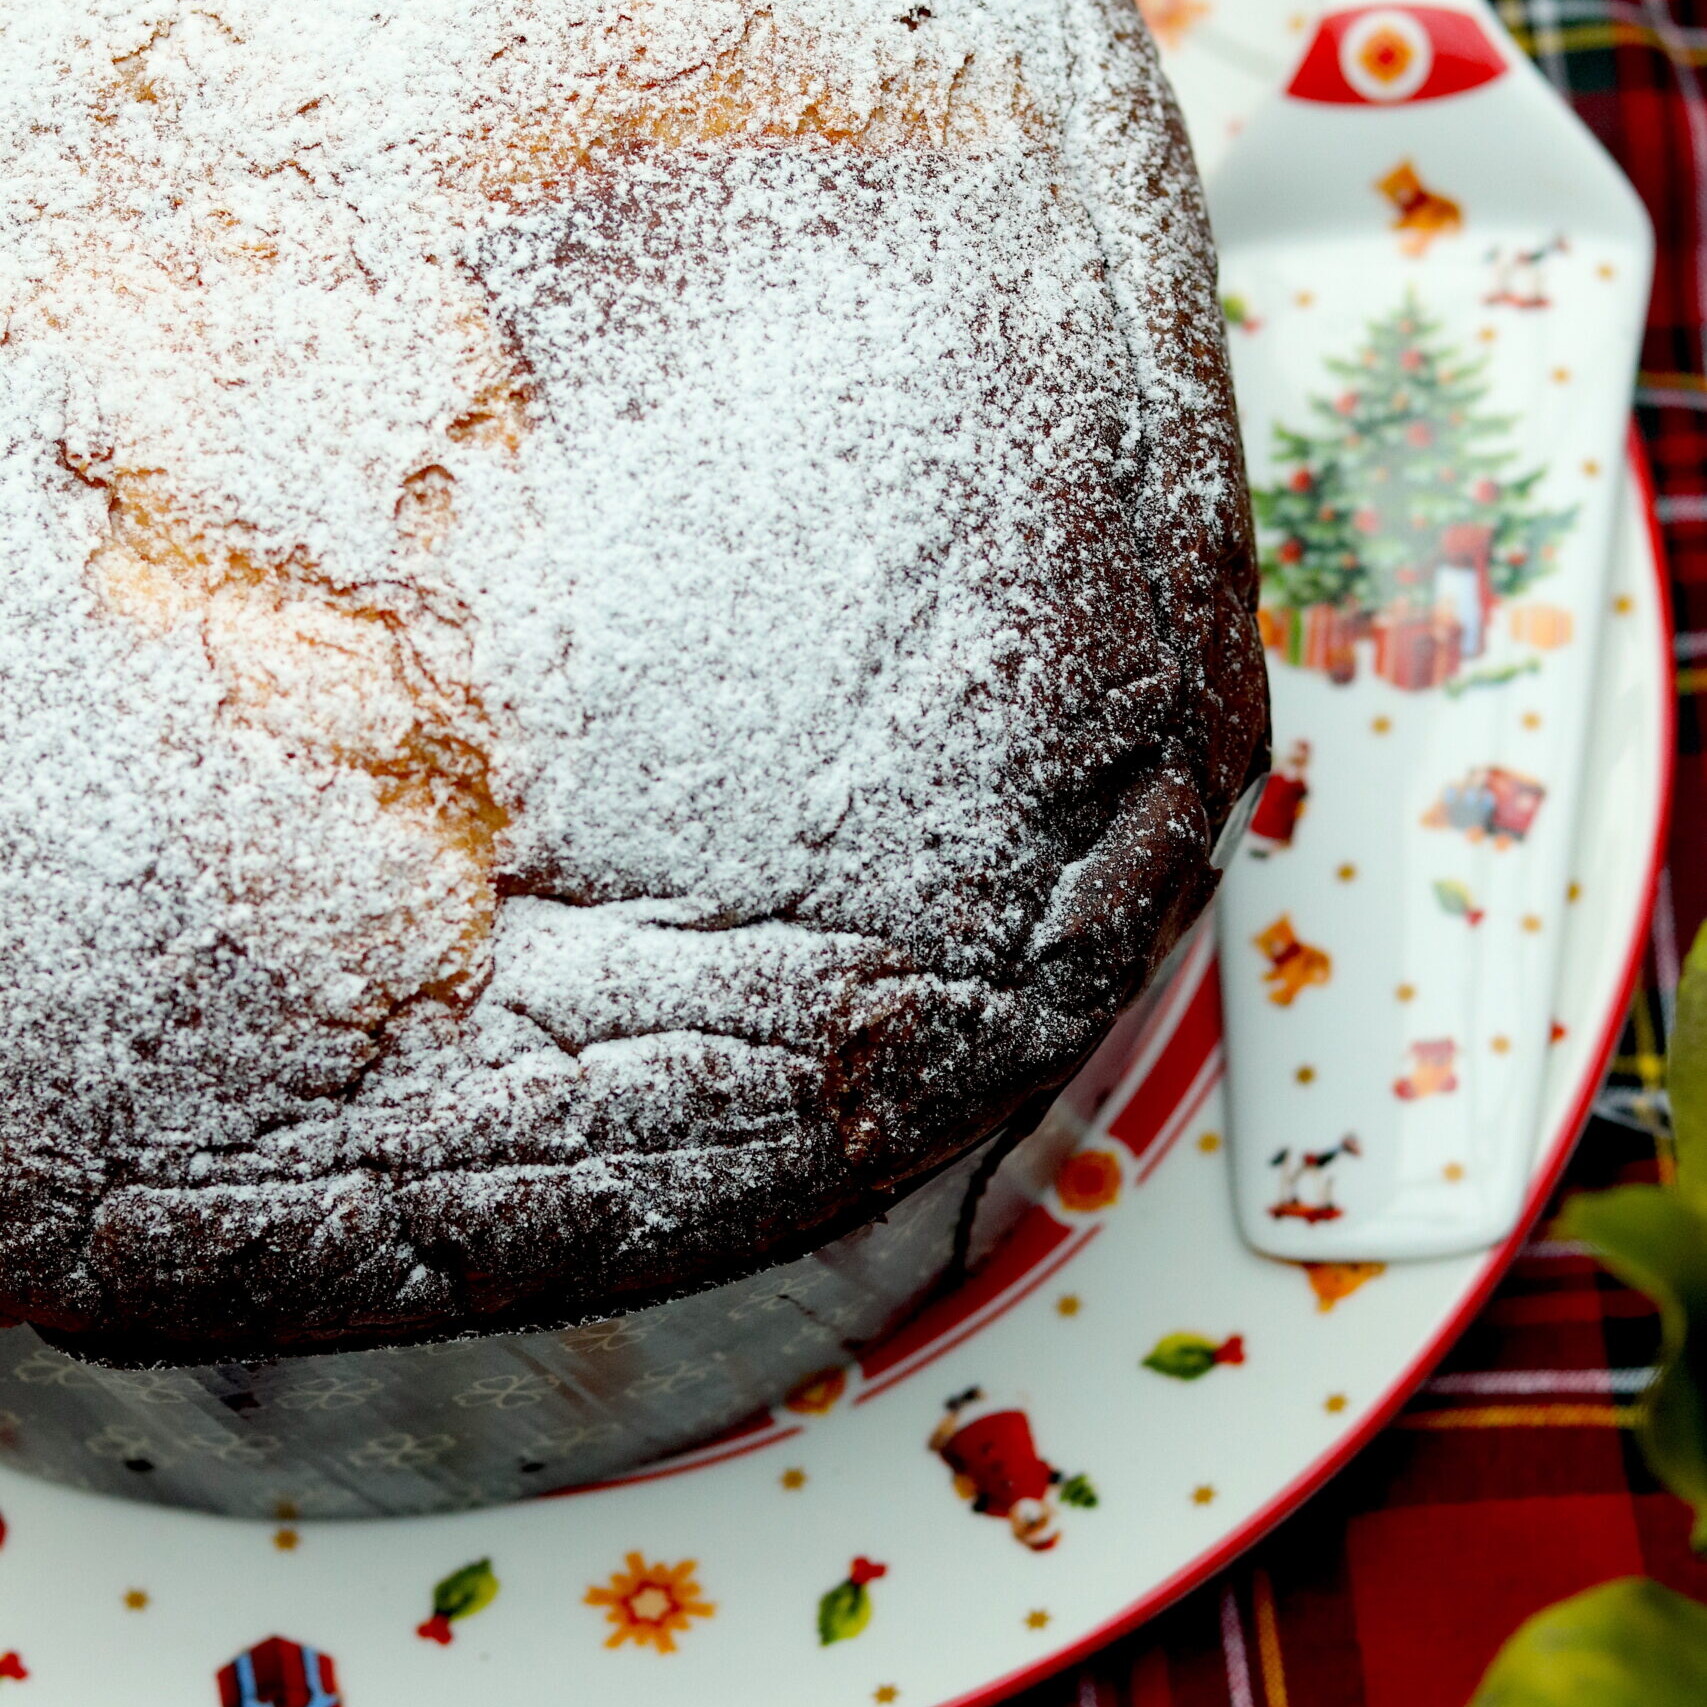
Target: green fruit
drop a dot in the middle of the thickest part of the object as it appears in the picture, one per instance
(843, 1612)
(466, 1592)
(1183, 1356)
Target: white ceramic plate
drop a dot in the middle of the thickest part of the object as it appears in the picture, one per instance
(703, 1582)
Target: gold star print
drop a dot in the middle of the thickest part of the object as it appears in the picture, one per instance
(1623, 605)
(1561, 375)
(1452, 1173)
(286, 1540)
(1532, 922)
(1606, 270)
(1381, 725)
(1295, 23)
(1487, 334)
(1036, 1620)
(136, 1600)
(1334, 1404)
(1305, 1075)
(1574, 893)
(1590, 467)
(1346, 872)
(1209, 1143)
(1406, 993)
(1305, 298)
(1067, 1304)
(885, 1692)
(792, 1479)
(1532, 720)
(1202, 1495)
(1501, 1046)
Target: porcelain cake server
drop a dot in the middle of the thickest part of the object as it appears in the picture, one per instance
(1435, 281)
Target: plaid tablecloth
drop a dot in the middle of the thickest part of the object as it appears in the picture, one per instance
(1512, 1479)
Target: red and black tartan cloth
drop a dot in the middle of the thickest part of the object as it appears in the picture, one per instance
(1512, 1479)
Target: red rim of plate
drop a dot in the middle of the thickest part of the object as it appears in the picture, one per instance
(1310, 1481)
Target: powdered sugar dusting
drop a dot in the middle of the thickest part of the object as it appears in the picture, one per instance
(598, 612)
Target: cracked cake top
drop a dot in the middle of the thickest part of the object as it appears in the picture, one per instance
(623, 627)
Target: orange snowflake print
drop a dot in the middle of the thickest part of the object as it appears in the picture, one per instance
(1171, 21)
(650, 1605)
(1089, 1180)
(817, 1394)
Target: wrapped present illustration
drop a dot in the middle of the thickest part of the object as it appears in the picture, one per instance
(1330, 641)
(1417, 649)
(1463, 587)
(1545, 627)
(1489, 802)
(1431, 1071)
(279, 1673)
(1307, 1181)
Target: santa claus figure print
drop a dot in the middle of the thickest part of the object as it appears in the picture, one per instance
(1282, 804)
(997, 1466)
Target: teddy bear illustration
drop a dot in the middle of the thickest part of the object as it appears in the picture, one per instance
(1423, 214)
(1292, 965)
(1431, 1070)
(997, 1466)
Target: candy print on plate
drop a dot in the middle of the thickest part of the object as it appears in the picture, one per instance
(776, 1514)
(1450, 277)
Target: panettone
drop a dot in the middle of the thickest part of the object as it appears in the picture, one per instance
(623, 628)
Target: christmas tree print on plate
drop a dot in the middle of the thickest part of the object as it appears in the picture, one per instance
(1446, 277)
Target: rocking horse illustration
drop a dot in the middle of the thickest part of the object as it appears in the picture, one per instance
(1517, 275)
(1307, 1184)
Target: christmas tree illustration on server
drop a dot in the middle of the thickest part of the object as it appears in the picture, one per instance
(1397, 535)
